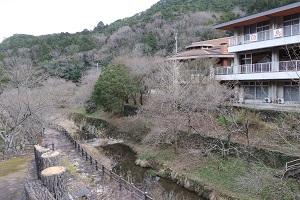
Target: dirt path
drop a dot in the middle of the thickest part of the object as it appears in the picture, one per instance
(83, 179)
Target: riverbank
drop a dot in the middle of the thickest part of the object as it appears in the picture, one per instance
(211, 176)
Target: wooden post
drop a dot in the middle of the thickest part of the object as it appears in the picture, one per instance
(54, 178)
(50, 159)
(38, 151)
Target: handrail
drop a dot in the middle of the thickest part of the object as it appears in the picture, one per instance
(287, 31)
(104, 170)
(281, 66)
(292, 164)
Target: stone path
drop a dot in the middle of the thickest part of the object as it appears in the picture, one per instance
(83, 180)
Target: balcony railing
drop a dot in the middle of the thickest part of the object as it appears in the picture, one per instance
(287, 31)
(254, 68)
(282, 66)
(224, 70)
(293, 65)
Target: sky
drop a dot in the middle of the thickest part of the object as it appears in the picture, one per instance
(41, 17)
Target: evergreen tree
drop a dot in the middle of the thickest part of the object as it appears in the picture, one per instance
(113, 88)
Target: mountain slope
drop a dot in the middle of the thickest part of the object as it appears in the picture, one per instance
(147, 33)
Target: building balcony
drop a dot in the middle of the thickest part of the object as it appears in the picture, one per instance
(260, 71)
(268, 38)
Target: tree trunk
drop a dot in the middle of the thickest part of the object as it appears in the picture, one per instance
(134, 99)
(50, 159)
(54, 178)
(38, 151)
(126, 99)
(176, 144)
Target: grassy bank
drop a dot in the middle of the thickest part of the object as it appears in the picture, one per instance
(232, 177)
(14, 165)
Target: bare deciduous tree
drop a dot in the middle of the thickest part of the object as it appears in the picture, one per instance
(28, 102)
(176, 103)
(86, 86)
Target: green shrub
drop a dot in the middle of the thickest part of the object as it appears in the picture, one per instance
(151, 172)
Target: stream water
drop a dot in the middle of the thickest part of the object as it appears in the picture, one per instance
(124, 165)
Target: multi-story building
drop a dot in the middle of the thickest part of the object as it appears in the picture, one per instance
(266, 49)
(216, 50)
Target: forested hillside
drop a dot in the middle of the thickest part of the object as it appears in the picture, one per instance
(145, 34)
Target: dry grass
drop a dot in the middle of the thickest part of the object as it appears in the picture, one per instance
(14, 165)
(69, 126)
(103, 142)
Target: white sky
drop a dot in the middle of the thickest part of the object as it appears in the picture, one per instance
(41, 17)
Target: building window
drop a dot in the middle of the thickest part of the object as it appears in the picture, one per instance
(246, 63)
(262, 29)
(246, 59)
(291, 25)
(291, 91)
(256, 90)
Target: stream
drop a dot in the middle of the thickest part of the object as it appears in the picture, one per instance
(124, 165)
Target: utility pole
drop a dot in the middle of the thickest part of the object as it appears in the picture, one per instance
(176, 70)
(176, 90)
(176, 51)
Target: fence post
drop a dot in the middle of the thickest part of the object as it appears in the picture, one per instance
(146, 196)
(120, 183)
(110, 175)
(91, 160)
(103, 171)
(132, 190)
(86, 156)
(96, 165)
(82, 152)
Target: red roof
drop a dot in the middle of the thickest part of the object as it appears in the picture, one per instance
(205, 49)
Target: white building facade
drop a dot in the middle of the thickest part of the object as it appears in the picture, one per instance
(266, 49)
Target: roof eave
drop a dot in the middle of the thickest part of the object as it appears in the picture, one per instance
(201, 56)
(230, 25)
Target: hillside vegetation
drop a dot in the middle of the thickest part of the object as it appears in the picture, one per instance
(145, 34)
